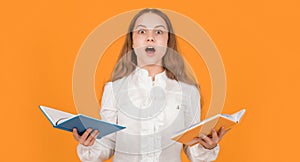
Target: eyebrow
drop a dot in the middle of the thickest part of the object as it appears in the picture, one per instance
(157, 26)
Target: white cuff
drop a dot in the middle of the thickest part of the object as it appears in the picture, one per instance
(201, 154)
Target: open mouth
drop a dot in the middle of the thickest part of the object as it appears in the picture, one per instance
(150, 49)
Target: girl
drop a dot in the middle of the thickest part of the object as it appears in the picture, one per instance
(153, 96)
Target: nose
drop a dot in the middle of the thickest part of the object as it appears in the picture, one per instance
(150, 37)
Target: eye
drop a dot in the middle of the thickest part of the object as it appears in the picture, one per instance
(141, 31)
(159, 32)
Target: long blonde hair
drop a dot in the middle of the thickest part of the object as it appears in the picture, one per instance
(173, 63)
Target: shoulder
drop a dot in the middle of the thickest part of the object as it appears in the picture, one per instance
(188, 88)
(115, 85)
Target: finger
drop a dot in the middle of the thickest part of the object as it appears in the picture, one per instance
(85, 135)
(93, 140)
(215, 137)
(206, 139)
(222, 132)
(75, 134)
(91, 137)
(203, 143)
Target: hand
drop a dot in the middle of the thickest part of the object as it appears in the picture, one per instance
(211, 142)
(88, 137)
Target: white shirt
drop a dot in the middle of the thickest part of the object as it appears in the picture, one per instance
(151, 111)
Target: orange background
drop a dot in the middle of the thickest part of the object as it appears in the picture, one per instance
(258, 42)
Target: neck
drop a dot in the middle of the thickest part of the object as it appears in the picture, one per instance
(153, 70)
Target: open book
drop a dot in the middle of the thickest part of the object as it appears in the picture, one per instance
(187, 136)
(67, 121)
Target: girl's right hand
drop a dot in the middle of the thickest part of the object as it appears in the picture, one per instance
(88, 137)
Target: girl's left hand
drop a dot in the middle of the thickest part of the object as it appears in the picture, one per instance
(212, 142)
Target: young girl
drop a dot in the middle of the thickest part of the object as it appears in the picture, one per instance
(153, 96)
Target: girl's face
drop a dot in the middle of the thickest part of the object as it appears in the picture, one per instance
(150, 39)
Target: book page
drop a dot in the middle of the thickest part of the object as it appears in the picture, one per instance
(56, 116)
(238, 115)
(187, 135)
(230, 117)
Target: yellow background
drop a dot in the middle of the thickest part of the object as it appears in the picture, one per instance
(258, 41)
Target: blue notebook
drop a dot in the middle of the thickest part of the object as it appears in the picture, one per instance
(67, 121)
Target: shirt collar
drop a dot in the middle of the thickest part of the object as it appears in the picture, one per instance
(144, 74)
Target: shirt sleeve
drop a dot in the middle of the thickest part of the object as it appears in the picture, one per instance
(103, 148)
(197, 153)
